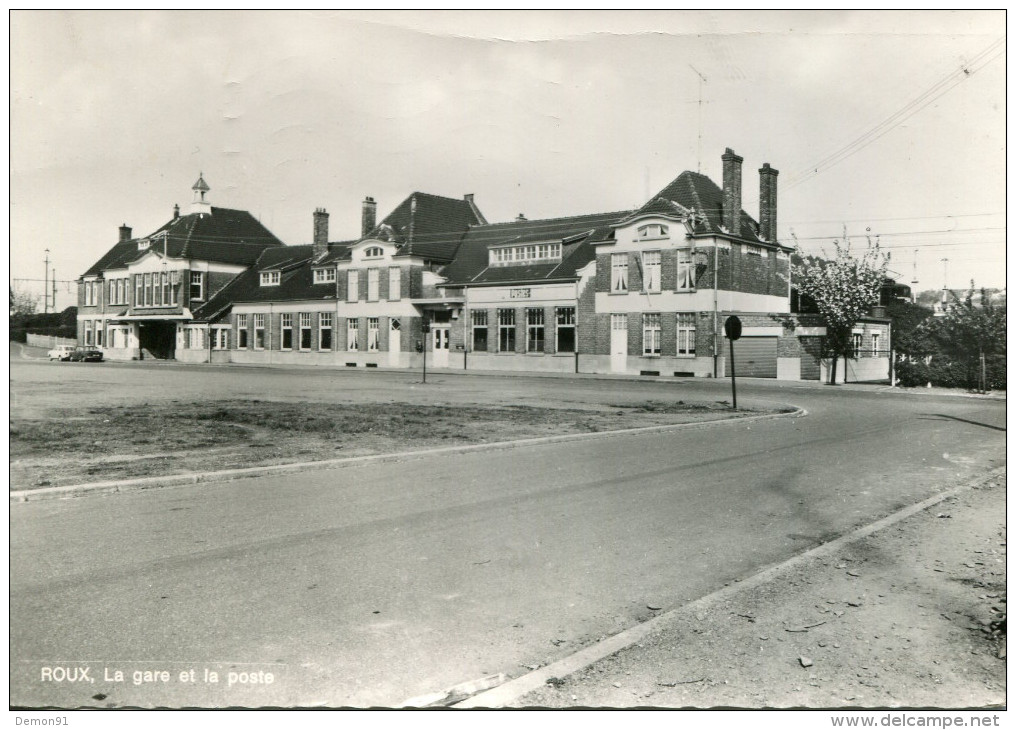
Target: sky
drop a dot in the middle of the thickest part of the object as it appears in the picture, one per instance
(887, 124)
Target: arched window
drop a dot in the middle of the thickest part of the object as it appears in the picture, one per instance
(653, 230)
(374, 252)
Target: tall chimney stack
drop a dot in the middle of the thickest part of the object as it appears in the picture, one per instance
(369, 218)
(767, 202)
(732, 192)
(320, 231)
(125, 233)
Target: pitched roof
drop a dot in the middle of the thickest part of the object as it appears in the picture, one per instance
(695, 190)
(225, 236)
(575, 233)
(296, 282)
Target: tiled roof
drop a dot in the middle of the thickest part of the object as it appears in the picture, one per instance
(226, 236)
(471, 262)
(695, 190)
(296, 282)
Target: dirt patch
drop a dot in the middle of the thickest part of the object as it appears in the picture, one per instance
(73, 446)
(911, 616)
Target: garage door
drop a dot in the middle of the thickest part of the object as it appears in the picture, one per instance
(811, 358)
(755, 357)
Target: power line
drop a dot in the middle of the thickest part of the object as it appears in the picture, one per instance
(905, 112)
(906, 218)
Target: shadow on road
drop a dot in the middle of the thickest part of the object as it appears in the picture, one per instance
(942, 416)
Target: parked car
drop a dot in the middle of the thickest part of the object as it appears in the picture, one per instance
(86, 354)
(61, 352)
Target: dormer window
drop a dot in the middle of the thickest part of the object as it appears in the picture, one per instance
(324, 276)
(374, 252)
(143, 244)
(653, 231)
(270, 278)
(541, 252)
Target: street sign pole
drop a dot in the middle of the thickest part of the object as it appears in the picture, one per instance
(732, 328)
(425, 327)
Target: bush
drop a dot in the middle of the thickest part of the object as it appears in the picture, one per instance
(916, 374)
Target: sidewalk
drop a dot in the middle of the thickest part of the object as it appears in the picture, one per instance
(906, 617)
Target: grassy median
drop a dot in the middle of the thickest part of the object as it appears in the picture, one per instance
(72, 446)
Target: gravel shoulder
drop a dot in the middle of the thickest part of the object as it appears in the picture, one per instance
(911, 616)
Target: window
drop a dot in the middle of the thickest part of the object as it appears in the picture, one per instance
(373, 279)
(305, 330)
(98, 334)
(525, 254)
(566, 329)
(686, 333)
(325, 331)
(373, 334)
(855, 342)
(156, 290)
(651, 271)
(352, 286)
(394, 283)
(115, 290)
(651, 334)
(324, 276)
(618, 273)
(874, 344)
(653, 230)
(241, 331)
(193, 338)
(286, 325)
(88, 332)
(197, 285)
(220, 338)
(352, 335)
(685, 271)
(143, 244)
(271, 278)
(506, 330)
(165, 288)
(479, 322)
(534, 330)
(259, 331)
(374, 252)
(112, 338)
(139, 290)
(174, 286)
(148, 290)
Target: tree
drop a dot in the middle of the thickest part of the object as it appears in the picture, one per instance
(843, 289)
(966, 333)
(23, 302)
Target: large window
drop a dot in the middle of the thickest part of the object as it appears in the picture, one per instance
(352, 286)
(651, 271)
(685, 271)
(566, 329)
(259, 332)
(220, 338)
(855, 343)
(197, 285)
(373, 284)
(618, 273)
(88, 332)
(139, 290)
(479, 322)
(525, 254)
(174, 287)
(305, 330)
(286, 325)
(394, 283)
(99, 328)
(534, 330)
(325, 331)
(651, 334)
(373, 334)
(241, 331)
(148, 290)
(506, 330)
(686, 333)
(165, 288)
(352, 335)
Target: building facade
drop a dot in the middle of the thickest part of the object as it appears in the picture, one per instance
(642, 291)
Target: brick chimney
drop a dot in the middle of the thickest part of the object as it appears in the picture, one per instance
(732, 192)
(320, 231)
(176, 211)
(125, 232)
(767, 202)
(369, 219)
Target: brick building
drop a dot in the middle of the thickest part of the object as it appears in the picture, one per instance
(642, 291)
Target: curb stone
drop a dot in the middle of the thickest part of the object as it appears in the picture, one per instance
(173, 480)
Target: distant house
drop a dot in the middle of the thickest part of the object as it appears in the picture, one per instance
(643, 291)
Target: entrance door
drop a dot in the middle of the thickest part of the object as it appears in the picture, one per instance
(394, 342)
(618, 343)
(157, 340)
(440, 340)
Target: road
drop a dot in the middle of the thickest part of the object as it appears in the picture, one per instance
(370, 585)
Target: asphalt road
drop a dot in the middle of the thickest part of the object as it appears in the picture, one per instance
(372, 584)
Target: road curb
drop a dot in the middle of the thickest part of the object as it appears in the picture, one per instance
(516, 688)
(225, 475)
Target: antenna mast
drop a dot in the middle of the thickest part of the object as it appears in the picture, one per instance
(702, 79)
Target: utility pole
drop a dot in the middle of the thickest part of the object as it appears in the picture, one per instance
(914, 281)
(45, 287)
(702, 79)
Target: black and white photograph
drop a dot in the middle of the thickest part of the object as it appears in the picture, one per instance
(490, 360)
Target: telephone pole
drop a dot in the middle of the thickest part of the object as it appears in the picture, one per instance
(45, 287)
(702, 79)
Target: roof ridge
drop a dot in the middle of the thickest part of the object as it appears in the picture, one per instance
(545, 220)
